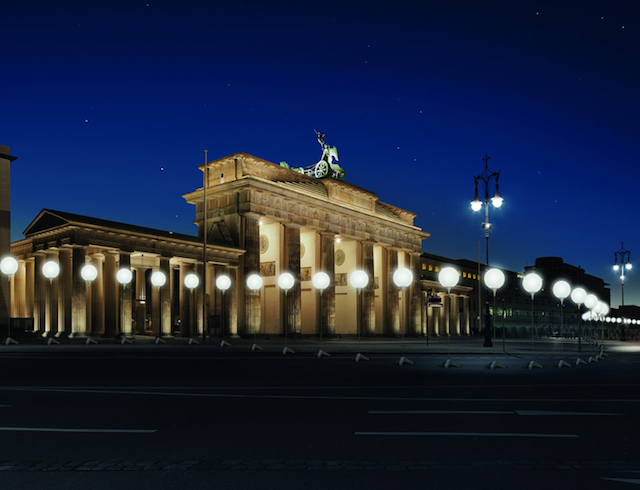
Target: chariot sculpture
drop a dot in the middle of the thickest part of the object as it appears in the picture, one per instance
(325, 166)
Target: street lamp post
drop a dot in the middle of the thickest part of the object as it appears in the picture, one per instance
(532, 283)
(561, 290)
(622, 253)
(359, 280)
(286, 282)
(223, 282)
(89, 274)
(50, 270)
(448, 278)
(9, 266)
(321, 281)
(254, 282)
(403, 278)
(494, 280)
(191, 282)
(579, 296)
(476, 205)
(602, 309)
(158, 279)
(124, 277)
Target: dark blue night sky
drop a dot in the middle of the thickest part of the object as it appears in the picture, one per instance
(109, 105)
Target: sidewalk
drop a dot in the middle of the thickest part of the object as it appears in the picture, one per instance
(343, 346)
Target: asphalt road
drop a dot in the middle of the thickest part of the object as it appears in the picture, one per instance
(197, 418)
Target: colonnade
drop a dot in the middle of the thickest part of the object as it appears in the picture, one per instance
(449, 319)
(377, 260)
(69, 306)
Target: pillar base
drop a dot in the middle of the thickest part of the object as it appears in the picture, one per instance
(224, 343)
(532, 365)
(10, 341)
(562, 363)
(361, 357)
(256, 347)
(78, 335)
(404, 360)
(287, 350)
(322, 353)
(593, 359)
(192, 341)
(580, 361)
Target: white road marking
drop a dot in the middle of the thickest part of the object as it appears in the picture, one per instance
(624, 480)
(52, 429)
(541, 412)
(411, 412)
(464, 434)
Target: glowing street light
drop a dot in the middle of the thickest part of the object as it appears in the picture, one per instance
(476, 205)
(622, 253)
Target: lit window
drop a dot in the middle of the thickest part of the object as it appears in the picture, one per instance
(464, 274)
(437, 268)
(424, 267)
(430, 268)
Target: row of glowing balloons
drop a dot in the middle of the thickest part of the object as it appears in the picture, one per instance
(494, 279)
(359, 279)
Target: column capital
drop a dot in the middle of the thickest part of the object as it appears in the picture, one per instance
(291, 224)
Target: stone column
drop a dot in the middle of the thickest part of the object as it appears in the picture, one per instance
(97, 297)
(414, 326)
(231, 302)
(292, 265)
(30, 279)
(368, 293)
(65, 291)
(40, 285)
(455, 315)
(253, 310)
(111, 292)
(186, 302)
(79, 294)
(328, 298)
(446, 311)
(20, 290)
(392, 295)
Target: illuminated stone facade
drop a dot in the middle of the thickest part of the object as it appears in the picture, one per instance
(261, 218)
(289, 222)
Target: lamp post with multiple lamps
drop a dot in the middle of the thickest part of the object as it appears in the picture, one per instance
(476, 205)
(9, 266)
(622, 253)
